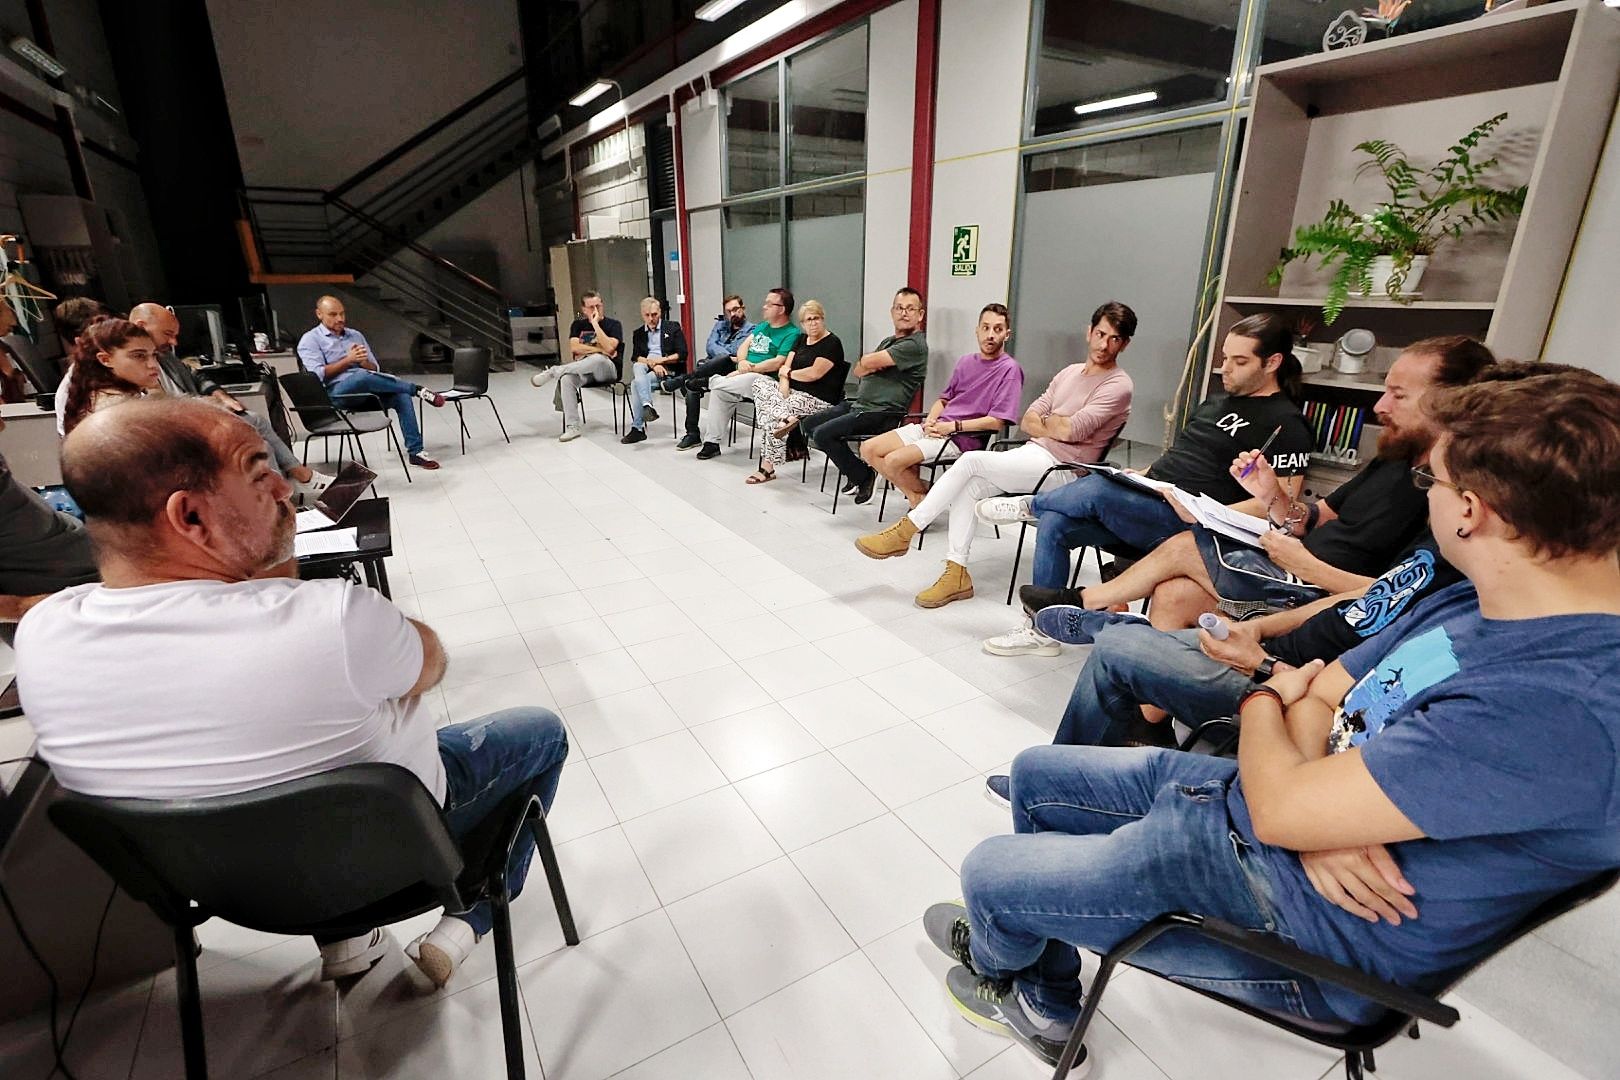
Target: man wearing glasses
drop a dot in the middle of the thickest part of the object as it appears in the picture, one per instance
(731, 329)
(890, 377)
(765, 350)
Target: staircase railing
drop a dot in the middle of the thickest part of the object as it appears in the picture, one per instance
(310, 231)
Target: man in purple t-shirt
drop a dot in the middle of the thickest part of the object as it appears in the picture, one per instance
(980, 399)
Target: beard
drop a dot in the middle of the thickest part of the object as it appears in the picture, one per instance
(1403, 444)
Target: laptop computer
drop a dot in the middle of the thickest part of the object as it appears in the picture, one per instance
(338, 498)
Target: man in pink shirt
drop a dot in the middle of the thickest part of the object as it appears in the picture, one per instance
(1074, 420)
(981, 397)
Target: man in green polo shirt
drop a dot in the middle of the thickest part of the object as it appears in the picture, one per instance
(890, 377)
(760, 354)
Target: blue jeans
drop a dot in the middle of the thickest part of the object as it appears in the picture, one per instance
(642, 385)
(1095, 511)
(1106, 840)
(394, 392)
(1132, 664)
(486, 762)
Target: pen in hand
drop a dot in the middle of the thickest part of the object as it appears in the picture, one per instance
(1249, 468)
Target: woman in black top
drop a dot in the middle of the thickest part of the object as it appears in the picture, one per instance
(811, 380)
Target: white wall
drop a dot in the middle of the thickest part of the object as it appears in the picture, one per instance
(979, 115)
(1583, 324)
(318, 90)
(891, 102)
(701, 172)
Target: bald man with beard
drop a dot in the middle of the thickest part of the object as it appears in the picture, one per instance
(193, 535)
(180, 381)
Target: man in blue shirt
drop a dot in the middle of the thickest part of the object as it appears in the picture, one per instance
(731, 329)
(345, 363)
(1398, 810)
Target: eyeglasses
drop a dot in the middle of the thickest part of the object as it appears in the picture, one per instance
(905, 309)
(1423, 480)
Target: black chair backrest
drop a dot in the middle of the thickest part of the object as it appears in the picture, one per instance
(471, 368)
(309, 399)
(281, 858)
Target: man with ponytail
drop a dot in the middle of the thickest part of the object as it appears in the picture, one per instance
(1261, 377)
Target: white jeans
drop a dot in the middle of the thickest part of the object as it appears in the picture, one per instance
(979, 474)
(725, 392)
(912, 435)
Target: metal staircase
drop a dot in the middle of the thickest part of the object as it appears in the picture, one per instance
(360, 237)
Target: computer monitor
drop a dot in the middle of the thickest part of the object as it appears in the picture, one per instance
(202, 332)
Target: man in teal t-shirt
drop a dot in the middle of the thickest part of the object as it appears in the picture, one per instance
(890, 377)
(761, 353)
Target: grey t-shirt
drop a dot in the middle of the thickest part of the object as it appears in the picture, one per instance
(41, 549)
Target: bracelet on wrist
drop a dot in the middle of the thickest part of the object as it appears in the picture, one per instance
(1261, 691)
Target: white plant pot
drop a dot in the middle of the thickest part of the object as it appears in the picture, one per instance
(1383, 267)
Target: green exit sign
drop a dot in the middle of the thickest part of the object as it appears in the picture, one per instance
(965, 251)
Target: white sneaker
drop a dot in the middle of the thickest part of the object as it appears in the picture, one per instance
(1005, 510)
(543, 376)
(305, 493)
(353, 955)
(440, 950)
(570, 434)
(1024, 641)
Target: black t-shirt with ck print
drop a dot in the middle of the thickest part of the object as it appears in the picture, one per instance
(1222, 428)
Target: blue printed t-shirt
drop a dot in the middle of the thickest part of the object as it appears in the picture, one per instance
(1498, 739)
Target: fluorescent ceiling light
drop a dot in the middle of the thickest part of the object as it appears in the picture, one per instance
(1116, 102)
(591, 92)
(37, 56)
(717, 9)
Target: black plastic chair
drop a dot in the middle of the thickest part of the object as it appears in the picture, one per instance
(1404, 1007)
(857, 440)
(1122, 551)
(334, 854)
(470, 369)
(322, 417)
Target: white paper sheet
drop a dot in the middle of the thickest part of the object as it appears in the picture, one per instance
(327, 543)
(306, 520)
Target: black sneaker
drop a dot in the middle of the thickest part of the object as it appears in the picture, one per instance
(648, 414)
(994, 1005)
(710, 450)
(1034, 597)
(634, 435)
(998, 789)
(946, 925)
(672, 383)
(863, 490)
(689, 441)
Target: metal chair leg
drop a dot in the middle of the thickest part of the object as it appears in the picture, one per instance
(192, 1042)
(461, 421)
(506, 980)
(1018, 554)
(399, 448)
(498, 419)
(559, 893)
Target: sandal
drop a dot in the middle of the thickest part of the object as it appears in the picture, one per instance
(760, 476)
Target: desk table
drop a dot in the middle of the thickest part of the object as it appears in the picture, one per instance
(374, 532)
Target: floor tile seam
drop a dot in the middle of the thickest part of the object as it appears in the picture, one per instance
(781, 852)
(918, 1020)
(146, 1018)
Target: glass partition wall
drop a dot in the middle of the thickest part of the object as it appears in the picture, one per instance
(794, 207)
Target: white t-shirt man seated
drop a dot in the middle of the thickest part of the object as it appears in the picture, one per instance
(201, 666)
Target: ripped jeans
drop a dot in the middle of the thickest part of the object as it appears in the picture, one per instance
(488, 760)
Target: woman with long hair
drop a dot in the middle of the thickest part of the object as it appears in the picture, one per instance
(113, 361)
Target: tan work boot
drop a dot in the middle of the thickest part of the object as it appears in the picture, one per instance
(894, 540)
(953, 584)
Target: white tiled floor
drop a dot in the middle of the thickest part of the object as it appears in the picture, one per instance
(776, 766)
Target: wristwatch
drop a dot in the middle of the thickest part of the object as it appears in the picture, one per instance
(1263, 670)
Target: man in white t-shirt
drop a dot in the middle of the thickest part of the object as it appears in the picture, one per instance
(193, 533)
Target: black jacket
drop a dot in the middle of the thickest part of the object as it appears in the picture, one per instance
(180, 372)
(674, 344)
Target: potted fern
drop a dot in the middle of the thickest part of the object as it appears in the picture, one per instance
(1387, 248)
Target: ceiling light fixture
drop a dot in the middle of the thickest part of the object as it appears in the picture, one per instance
(1116, 102)
(591, 92)
(37, 56)
(717, 9)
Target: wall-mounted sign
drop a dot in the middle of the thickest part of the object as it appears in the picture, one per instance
(965, 251)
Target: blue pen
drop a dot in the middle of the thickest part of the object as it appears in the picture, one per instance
(1249, 468)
